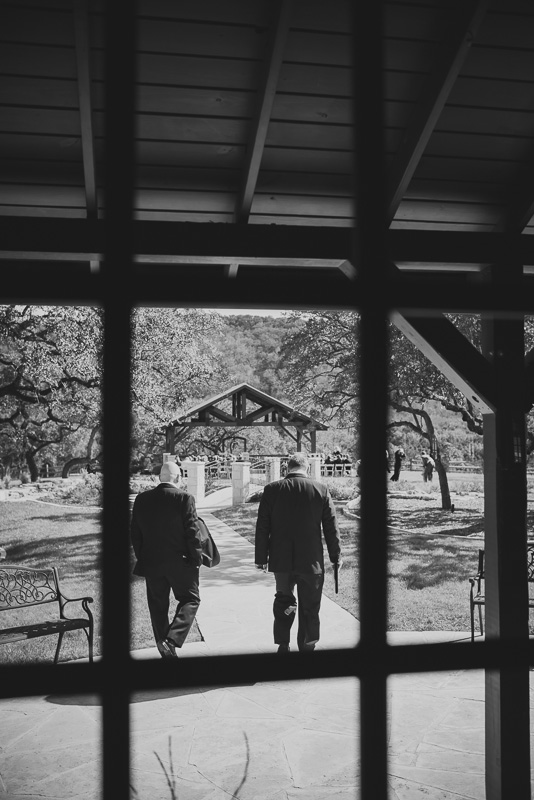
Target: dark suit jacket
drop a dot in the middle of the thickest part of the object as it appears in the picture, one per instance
(164, 530)
(291, 514)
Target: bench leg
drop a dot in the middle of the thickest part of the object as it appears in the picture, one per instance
(89, 634)
(472, 609)
(58, 648)
(480, 620)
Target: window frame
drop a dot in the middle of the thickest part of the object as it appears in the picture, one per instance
(117, 676)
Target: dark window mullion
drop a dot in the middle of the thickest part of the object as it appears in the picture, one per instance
(370, 257)
(118, 199)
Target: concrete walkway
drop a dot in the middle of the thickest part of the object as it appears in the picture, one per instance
(267, 741)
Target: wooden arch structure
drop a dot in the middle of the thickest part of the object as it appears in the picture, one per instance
(243, 406)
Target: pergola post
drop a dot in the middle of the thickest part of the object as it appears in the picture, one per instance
(196, 479)
(240, 482)
(505, 490)
(315, 467)
(272, 469)
(169, 439)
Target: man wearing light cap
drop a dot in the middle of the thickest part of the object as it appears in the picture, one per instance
(166, 542)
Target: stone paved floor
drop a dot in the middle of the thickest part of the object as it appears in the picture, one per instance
(263, 741)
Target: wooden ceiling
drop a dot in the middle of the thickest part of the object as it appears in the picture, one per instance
(244, 117)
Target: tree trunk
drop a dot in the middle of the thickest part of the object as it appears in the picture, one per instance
(32, 466)
(443, 484)
(429, 434)
(73, 462)
(440, 469)
(82, 460)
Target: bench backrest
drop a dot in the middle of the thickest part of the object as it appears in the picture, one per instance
(27, 586)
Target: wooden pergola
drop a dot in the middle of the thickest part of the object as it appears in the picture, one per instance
(249, 407)
(376, 156)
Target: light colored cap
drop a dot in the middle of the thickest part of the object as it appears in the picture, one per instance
(169, 472)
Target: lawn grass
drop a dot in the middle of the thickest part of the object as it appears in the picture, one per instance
(427, 575)
(38, 534)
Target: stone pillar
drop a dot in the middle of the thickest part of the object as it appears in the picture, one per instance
(272, 469)
(196, 479)
(240, 481)
(315, 466)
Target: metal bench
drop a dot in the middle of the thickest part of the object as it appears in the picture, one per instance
(477, 596)
(22, 587)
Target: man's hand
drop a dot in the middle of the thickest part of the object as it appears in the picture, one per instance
(339, 562)
(263, 567)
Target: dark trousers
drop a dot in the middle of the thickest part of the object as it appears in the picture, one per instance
(186, 592)
(309, 591)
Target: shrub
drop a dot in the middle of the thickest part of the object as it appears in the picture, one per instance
(138, 485)
(87, 492)
(342, 488)
(84, 492)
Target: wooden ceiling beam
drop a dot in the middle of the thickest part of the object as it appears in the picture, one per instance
(263, 114)
(65, 282)
(413, 247)
(221, 415)
(449, 350)
(32, 238)
(428, 110)
(258, 414)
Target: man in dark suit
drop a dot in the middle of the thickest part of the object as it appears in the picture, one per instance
(291, 514)
(166, 542)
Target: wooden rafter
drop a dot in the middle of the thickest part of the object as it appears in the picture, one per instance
(231, 270)
(83, 53)
(427, 112)
(81, 27)
(263, 114)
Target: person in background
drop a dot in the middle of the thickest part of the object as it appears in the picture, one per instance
(167, 545)
(428, 466)
(292, 514)
(400, 455)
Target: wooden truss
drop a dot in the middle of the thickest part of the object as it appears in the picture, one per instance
(250, 407)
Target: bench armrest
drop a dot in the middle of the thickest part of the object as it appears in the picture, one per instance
(76, 599)
(83, 600)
